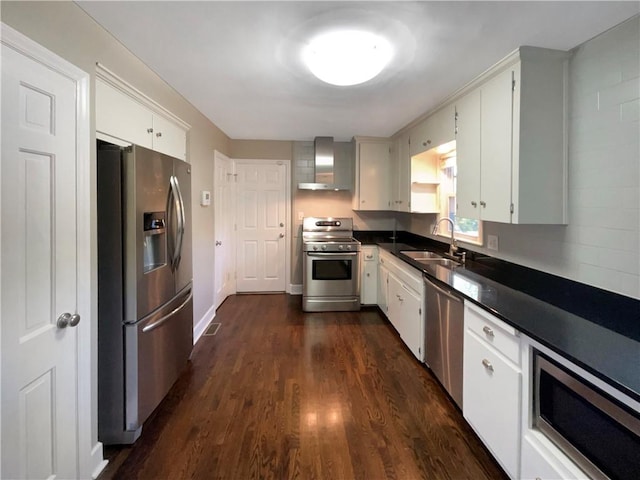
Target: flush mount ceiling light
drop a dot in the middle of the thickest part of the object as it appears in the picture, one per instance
(347, 57)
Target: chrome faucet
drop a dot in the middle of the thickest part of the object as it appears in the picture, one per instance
(453, 247)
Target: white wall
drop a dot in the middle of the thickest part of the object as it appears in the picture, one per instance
(600, 246)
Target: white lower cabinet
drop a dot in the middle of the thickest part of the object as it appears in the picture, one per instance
(400, 297)
(383, 288)
(369, 275)
(538, 463)
(492, 391)
(405, 314)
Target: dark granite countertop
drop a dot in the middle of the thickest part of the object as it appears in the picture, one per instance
(595, 329)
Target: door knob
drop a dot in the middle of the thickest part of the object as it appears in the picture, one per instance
(282, 235)
(281, 224)
(218, 243)
(63, 320)
(67, 320)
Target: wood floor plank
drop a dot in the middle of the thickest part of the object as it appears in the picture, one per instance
(282, 394)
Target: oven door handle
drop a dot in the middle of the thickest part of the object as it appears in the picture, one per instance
(332, 254)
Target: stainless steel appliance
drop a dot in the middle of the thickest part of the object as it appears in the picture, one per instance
(331, 265)
(145, 305)
(598, 432)
(444, 336)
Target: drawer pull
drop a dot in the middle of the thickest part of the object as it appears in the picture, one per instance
(487, 365)
(488, 331)
(369, 257)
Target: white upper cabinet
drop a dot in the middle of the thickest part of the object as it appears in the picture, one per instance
(124, 113)
(169, 138)
(401, 175)
(121, 117)
(495, 148)
(435, 130)
(468, 155)
(512, 142)
(372, 189)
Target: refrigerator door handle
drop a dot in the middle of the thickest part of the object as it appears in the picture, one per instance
(181, 223)
(174, 200)
(163, 319)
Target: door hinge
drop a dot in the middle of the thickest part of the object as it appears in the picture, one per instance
(420, 311)
(511, 208)
(513, 85)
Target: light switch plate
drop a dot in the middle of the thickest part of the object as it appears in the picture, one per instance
(492, 242)
(205, 198)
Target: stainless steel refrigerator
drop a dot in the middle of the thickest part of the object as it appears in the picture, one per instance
(145, 305)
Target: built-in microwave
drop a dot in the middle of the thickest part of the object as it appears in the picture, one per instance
(599, 433)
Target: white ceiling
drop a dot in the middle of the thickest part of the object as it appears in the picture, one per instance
(238, 62)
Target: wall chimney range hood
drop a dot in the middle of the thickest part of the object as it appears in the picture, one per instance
(323, 165)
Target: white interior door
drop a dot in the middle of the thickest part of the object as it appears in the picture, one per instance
(224, 210)
(39, 408)
(261, 226)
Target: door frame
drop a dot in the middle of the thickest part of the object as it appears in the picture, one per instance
(287, 200)
(90, 459)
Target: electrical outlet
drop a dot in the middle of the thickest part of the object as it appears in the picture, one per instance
(492, 242)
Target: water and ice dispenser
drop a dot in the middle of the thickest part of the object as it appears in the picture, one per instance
(155, 240)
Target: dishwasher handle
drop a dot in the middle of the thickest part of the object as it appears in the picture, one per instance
(442, 291)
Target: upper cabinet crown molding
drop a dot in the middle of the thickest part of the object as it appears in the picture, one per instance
(106, 75)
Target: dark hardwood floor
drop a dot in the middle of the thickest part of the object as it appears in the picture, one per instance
(279, 394)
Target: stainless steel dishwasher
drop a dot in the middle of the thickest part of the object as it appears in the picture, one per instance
(444, 336)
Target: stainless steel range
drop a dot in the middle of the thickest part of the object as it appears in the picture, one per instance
(331, 265)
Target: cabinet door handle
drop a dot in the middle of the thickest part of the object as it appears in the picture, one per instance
(159, 134)
(149, 130)
(474, 204)
(368, 274)
(488, 331)
(487, 364)
(483, 203)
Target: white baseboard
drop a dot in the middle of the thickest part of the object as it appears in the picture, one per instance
(98, 460)
(202, 324)
(295, 289)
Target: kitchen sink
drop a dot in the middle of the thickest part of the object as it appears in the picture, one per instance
(422, 255)
(445, 262)
(429, 258)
